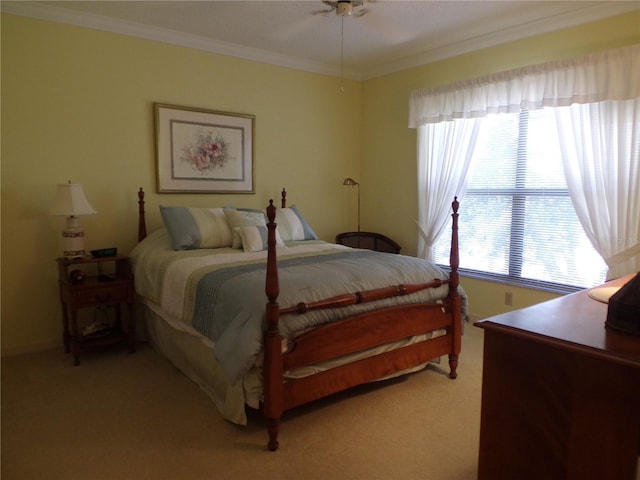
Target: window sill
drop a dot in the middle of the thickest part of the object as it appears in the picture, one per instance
(519, 282)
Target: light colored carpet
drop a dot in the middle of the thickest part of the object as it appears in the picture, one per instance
(120, 416)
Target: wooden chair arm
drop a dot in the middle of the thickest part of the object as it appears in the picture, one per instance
(368, 240)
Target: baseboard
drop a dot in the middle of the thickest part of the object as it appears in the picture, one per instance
(31, 348)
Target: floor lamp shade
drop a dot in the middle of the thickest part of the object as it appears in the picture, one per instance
(71, 202)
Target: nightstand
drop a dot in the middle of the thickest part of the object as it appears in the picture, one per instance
(96, 289)
(368, 240)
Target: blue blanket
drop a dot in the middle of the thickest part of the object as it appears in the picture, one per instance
(230, 301)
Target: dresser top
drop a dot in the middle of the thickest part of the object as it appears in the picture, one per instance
(575, 322)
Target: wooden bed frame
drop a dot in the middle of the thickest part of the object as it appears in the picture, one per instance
(349, 335)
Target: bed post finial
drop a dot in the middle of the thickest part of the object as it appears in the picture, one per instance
(284, 198)
(271, 213)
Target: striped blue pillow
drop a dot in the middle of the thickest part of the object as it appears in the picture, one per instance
(192, 227)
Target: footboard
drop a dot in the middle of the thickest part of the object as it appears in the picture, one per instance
(354, 334)
(360, 334)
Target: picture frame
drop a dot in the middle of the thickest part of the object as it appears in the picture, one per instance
(203, 151)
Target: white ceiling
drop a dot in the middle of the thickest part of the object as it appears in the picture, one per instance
(392, 35)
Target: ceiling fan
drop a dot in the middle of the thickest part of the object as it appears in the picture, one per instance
(343, 8)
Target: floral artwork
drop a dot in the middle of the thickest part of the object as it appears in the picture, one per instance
(203, 151)
(208, 152)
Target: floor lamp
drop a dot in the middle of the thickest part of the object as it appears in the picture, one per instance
(352, 183)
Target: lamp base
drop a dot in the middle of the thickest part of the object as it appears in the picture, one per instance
(73, 239)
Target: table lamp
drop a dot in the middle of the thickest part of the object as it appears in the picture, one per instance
(71, 202)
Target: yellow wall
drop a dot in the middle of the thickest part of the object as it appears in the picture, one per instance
(77, 105)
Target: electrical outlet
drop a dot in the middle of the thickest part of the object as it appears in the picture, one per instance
(508, 298)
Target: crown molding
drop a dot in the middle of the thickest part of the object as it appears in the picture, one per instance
(42, 11)
(587, 14)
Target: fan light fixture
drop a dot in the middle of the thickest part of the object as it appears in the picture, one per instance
(344, 9)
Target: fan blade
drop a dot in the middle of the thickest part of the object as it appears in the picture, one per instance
(322, 12)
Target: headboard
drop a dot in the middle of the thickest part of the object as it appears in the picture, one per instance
(142, 225)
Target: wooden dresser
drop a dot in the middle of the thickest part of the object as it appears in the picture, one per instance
(560, 394)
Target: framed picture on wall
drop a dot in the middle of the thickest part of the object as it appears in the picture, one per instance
(203, 151)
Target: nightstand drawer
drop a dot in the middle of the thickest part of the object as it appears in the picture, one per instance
(102, 295)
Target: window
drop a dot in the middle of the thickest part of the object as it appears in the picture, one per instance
(517, 222)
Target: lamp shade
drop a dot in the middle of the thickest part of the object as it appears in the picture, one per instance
(349, 181)
(70, 201)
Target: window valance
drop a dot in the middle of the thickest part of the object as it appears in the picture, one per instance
(609, 75)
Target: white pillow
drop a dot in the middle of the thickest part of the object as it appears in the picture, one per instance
(240, 218)
(254, 238)
(293, 226)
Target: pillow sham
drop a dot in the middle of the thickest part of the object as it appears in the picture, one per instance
(242, 218)
(293, 226)
(192, 227)
(251, 210)
(254, 238)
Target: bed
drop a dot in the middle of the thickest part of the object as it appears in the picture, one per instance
(335, 316)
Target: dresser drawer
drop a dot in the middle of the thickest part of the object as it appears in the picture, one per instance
(102, 295)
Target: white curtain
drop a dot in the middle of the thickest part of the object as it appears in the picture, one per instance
(610, 75)
(590, 80)
(444, 156)
(600, 145)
